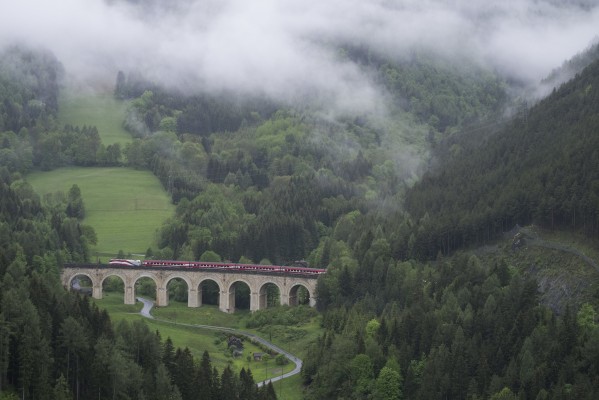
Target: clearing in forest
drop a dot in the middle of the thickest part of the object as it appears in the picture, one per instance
(125, 206)
(100, 110)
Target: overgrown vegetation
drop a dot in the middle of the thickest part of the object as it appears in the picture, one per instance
(284, 315)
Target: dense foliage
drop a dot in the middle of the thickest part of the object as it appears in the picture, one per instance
(28, 88)
(542, 168)
(262, 182)
(294, 185)
(258, 183)
(55, 344)
(456, 328)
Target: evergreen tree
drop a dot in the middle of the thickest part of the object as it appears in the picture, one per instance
(61, 389)
(75, 207)
(247, 387)
(228, 385)
(184, 373)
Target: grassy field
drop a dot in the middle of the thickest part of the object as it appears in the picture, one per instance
(294, 339)
(123, 205)
(100, 110)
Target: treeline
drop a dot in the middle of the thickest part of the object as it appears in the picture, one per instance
(31, 149)
(543, 169)
(156, 108)
(573, 66)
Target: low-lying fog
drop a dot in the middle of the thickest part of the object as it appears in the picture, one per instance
(288, 48)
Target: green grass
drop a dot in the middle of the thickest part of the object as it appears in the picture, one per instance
(294, 339)
(124, 206)
(205, 315)
(196, 339)
(100, 110)
(114, 303)
(210, 315)
(289, 388)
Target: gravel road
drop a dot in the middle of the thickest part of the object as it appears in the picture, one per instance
(148, 304)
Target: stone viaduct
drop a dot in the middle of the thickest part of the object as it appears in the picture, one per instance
(287, 284)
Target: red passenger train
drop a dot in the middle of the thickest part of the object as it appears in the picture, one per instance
(216, 265)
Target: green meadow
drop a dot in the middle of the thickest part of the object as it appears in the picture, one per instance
(199, 339)
(124, 206)
(100, 110)
(169, 319)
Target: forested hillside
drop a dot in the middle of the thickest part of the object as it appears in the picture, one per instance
(265, 180)
(543, 168)
(277, 186)
(387, 201)
(458, 327)
(56, 344)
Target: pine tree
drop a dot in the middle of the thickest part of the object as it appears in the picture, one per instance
(168, 356)
(204, 383)
(61, 389)
(228, 384)
(248, 389)
(184, 373)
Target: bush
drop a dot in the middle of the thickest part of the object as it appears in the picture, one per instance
(283, 315)
(281, 360)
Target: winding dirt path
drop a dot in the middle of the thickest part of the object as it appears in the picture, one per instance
(148, 304)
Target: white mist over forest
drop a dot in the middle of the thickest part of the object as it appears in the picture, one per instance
(289, 48)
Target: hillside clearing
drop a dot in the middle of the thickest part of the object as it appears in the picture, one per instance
(100, 110)
(125, 206)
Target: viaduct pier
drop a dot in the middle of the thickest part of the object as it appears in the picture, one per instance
(287, 282)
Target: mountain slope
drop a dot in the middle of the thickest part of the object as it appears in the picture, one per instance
(543, 168)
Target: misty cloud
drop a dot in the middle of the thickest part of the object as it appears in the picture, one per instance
(285, 49)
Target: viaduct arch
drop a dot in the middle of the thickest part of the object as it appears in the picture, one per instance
(287, 284)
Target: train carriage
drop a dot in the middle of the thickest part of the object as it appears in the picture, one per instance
(303, 270)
